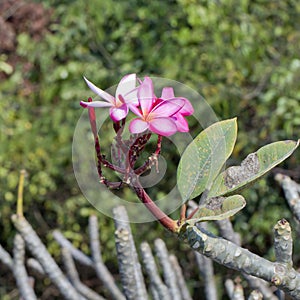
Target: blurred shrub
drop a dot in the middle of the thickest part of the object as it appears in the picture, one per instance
(243, 56)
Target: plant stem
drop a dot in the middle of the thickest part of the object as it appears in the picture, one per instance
(192, 213)
(20, 194)
(151, 160)
(100, 158)
(158, 146)
(166, 221)
(182, 213)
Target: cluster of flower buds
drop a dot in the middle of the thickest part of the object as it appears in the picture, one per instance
(164, 115)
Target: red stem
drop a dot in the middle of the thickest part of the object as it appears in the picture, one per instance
(152, 159)
(158, 146)
(100, 159)
(182, 214)
(192, 213)
(166, 221)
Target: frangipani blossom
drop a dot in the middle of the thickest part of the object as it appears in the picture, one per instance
(154, 114)
(187, 109)
(126, 94)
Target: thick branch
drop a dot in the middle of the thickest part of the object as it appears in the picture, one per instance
(129, 266)
(283, 242)
(227, 232)
(232, 256)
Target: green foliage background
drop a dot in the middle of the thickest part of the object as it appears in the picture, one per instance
(242, 56)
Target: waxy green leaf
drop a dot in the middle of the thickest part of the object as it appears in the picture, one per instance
(218, 208)
(252, 167)
(204, 158)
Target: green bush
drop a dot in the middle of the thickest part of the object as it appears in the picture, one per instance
(242, 56)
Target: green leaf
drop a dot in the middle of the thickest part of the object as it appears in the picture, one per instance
(252, 167)
(218, 208)
(204, 157)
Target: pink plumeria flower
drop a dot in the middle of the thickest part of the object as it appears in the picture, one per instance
(126, 94)
(187, 109)
(154, 114)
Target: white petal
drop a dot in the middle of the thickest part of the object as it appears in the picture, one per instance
(126, 85)
(106, 96)
(95, 104)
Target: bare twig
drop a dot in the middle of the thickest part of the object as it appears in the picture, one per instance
(185, 294)
(77, 254)
(205, 266)
(255, 295)
(169, 275)
(19, 270)
(36, 266)
(234, 290)
(39, 251)
(226, 231)
(74, 277)
(291, 191)
(101, 270)
(6, 258)
(154, 293)
(157, 286)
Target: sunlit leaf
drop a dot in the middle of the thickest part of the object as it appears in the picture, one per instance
(252, 167)
(218, 208)
(204, 157)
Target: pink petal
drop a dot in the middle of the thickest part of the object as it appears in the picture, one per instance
(146, 95)
(167, 93)
(135, 110)
(95, 104)
(187, 108)
(181, 123)
(166, 108)
(100, 92)
(118, 113)
(163, 126)
(126, 85)
(138, 126)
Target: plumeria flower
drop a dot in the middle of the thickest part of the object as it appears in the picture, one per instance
(187, 109)
(126, 94)
(154, 114)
